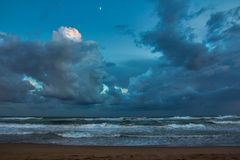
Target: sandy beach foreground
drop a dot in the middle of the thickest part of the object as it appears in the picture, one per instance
(57, 152)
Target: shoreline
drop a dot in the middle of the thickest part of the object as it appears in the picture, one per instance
(29, 151)
(115, 146)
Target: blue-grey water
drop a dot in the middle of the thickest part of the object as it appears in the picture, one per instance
(170, 131)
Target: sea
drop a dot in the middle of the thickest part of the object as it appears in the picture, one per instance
(123, 131)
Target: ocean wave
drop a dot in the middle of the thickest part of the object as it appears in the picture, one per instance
(181, 117)
(124, 135)
(59, 126)
(119, 118)
(226, 122)
(186, 126)
(16, 125)
(88, 135)
(15, 133)
(100, 125)
(21, 118)
(227, 117)
(74, 135)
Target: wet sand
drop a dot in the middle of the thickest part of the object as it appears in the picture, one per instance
(58, 152)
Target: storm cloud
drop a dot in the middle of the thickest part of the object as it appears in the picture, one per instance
(173, 38)
(66, 69)
(199, 77)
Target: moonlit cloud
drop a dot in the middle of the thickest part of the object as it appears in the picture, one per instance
(67, 34)
(123, 90)
(38, 86)
(105, 89)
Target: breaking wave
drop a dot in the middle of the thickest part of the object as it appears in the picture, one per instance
(187, 126)
(178, 130)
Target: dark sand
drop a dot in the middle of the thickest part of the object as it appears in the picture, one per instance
(57, 152)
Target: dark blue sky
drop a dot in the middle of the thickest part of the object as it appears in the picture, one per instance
(135, 58)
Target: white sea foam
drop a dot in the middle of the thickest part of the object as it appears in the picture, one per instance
(101, 125)
(226, 122)
(187, 126)
(16, 133)
(15, 125)
(227, 117)
(59, 126)
(20, 118)
(75, 134)
(181, 117)
(86, 135)
(103, 119)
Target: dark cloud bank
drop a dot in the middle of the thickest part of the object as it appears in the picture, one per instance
(68, 71)
(202, 77)
(192, 77)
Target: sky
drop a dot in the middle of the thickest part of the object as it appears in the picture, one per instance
(119, 58)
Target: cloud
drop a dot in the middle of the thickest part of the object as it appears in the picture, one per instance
(174, 39)
(67, 70)
(67, 34)
(224, 31)
(193, 77)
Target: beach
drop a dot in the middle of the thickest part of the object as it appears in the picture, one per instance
(63, 152)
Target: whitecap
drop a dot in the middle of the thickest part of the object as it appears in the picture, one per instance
(74, 135)
(21, 118)
(226, 122)
(187, 126)
(227, 117)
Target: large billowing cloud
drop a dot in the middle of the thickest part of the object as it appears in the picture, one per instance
(173, 38)
(192, 76)
(65, 69)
